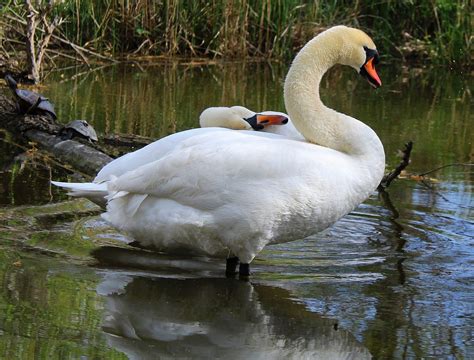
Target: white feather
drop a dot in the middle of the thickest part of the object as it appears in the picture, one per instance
(93, 191)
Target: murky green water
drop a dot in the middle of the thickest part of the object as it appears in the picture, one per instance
(388, 282)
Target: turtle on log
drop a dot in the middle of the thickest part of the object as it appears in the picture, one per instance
(78, 128)
(30, 102)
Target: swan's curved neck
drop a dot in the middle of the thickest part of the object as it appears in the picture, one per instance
(316, 122)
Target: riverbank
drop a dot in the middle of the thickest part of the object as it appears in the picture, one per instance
(437, 32)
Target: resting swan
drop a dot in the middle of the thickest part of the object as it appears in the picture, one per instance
(240, 118)
(231, 193)
(235, 118)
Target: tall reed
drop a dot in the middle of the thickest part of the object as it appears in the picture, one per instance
(436, 30)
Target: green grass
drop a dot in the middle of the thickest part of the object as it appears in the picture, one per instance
(437, 31)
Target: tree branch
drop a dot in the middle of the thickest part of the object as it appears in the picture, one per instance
(31, 24)
(47, 37)
(392, 175)
(80, 50)
(445, 166)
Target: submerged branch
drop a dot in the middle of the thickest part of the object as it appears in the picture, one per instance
(445, 166)
(392, 175)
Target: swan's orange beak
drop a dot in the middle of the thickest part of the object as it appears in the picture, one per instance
(267, 120)
(259, 121)
(370, 74)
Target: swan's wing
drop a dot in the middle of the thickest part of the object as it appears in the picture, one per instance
(147, 154)
(159, 149)
(211, 170)
(288, 130)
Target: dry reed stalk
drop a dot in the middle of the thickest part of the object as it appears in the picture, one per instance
(263, 28)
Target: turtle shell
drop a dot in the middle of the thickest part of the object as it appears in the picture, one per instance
(34, 103)
(29, 97)
(30, 101)
(47, 106)
(83, 129)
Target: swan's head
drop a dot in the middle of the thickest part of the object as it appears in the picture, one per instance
(238, 118)
(359, 52)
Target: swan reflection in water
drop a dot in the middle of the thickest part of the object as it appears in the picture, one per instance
(203, 318)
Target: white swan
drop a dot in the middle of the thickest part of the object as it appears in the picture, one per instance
(235, 118)
(225, 192)
(241, 118)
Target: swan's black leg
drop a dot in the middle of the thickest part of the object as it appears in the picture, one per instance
(244, 270)
(231, 265)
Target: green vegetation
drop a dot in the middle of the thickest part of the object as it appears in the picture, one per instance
(434, 30)
(49, 309)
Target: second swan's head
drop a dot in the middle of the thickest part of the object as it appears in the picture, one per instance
(239, 118)
(358, 51)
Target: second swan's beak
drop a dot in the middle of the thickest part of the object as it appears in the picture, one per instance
(259, 121)
(268, 120)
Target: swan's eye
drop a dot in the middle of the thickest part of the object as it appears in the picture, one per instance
(254, 123)
(376, 59)
(371, 54)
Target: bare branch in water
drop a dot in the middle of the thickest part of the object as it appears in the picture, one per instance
(392, 175)
(445, 166)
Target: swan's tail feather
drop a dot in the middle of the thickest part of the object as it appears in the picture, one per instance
(126, 203)
(92, 191)
(116, 195)
(134, 203)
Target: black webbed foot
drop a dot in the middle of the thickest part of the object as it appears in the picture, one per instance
(244, 270)
(231, 266)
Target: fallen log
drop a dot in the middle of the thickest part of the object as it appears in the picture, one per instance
(130, 140)
(43, 130)
(81, 157)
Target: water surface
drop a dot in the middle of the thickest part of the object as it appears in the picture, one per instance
(393, 279)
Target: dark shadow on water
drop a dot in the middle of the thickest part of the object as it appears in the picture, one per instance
(158, 264)
(208, 318)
